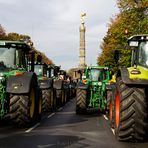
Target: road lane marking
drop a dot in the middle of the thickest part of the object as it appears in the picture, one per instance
(32, 128)
(49, 116)
(113, 131)
(105, 117)
(60, 108)
(66, 113)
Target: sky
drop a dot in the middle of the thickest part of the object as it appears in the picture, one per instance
(53, 26)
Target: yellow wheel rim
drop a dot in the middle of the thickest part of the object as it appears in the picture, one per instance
(51, 93)
(62, 96)
(65, 97)
(32, 100)
(40, 104)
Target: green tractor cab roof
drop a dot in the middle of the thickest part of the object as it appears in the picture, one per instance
(134, 41)
(55, 67)
(140, 37)
(97, 67)
(15, 44)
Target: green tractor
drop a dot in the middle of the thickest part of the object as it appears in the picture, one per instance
(20, 100)
(128, 101)
(61, 87)
(46, 86)
(91, 90)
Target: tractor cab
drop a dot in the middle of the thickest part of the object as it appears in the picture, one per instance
(139, 44)
(139, 62)
(13, 55)
(53, 71)
(40, 69)
(95, 74)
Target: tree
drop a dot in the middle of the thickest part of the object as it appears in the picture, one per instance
(21, 37)
(2, 32)
(17, 37)
(131, 20)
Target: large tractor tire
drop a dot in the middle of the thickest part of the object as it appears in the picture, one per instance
(22, 108)
(47, 97)
(131, 113)
(81, 101)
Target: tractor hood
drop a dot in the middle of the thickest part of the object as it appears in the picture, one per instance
(9, 73)
(143, 73)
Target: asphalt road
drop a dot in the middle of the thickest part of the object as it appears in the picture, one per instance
(65, 129)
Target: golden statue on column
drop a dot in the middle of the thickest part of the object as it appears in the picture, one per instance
(82, 18)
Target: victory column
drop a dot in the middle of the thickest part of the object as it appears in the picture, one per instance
(82, 63)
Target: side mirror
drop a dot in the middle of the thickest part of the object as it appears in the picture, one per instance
(116, 55)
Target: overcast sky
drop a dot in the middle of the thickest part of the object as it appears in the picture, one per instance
(53, 26)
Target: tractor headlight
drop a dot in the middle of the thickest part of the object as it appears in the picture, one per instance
(2, 79)
(1, 74)
(95, 83)
(99, 83)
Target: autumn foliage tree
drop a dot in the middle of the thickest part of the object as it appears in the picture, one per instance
(13, 36)
(2, 32)
(132, 19)
(17, 37)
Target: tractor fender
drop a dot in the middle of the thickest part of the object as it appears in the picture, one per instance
(58, 84)
(81, 85)
(21, 84)
(126, 79)
(46, 84)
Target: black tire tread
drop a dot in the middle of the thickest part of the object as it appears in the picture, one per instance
(46, 100)
(133, 112)
(19, 110)
(80, 101)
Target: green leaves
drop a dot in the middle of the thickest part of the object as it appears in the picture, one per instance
(2, 32)
(132, 19)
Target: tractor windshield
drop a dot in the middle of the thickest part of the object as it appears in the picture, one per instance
(143, 54)
(7, 57)
(95, 74)
(12, 58)
(38, 69)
